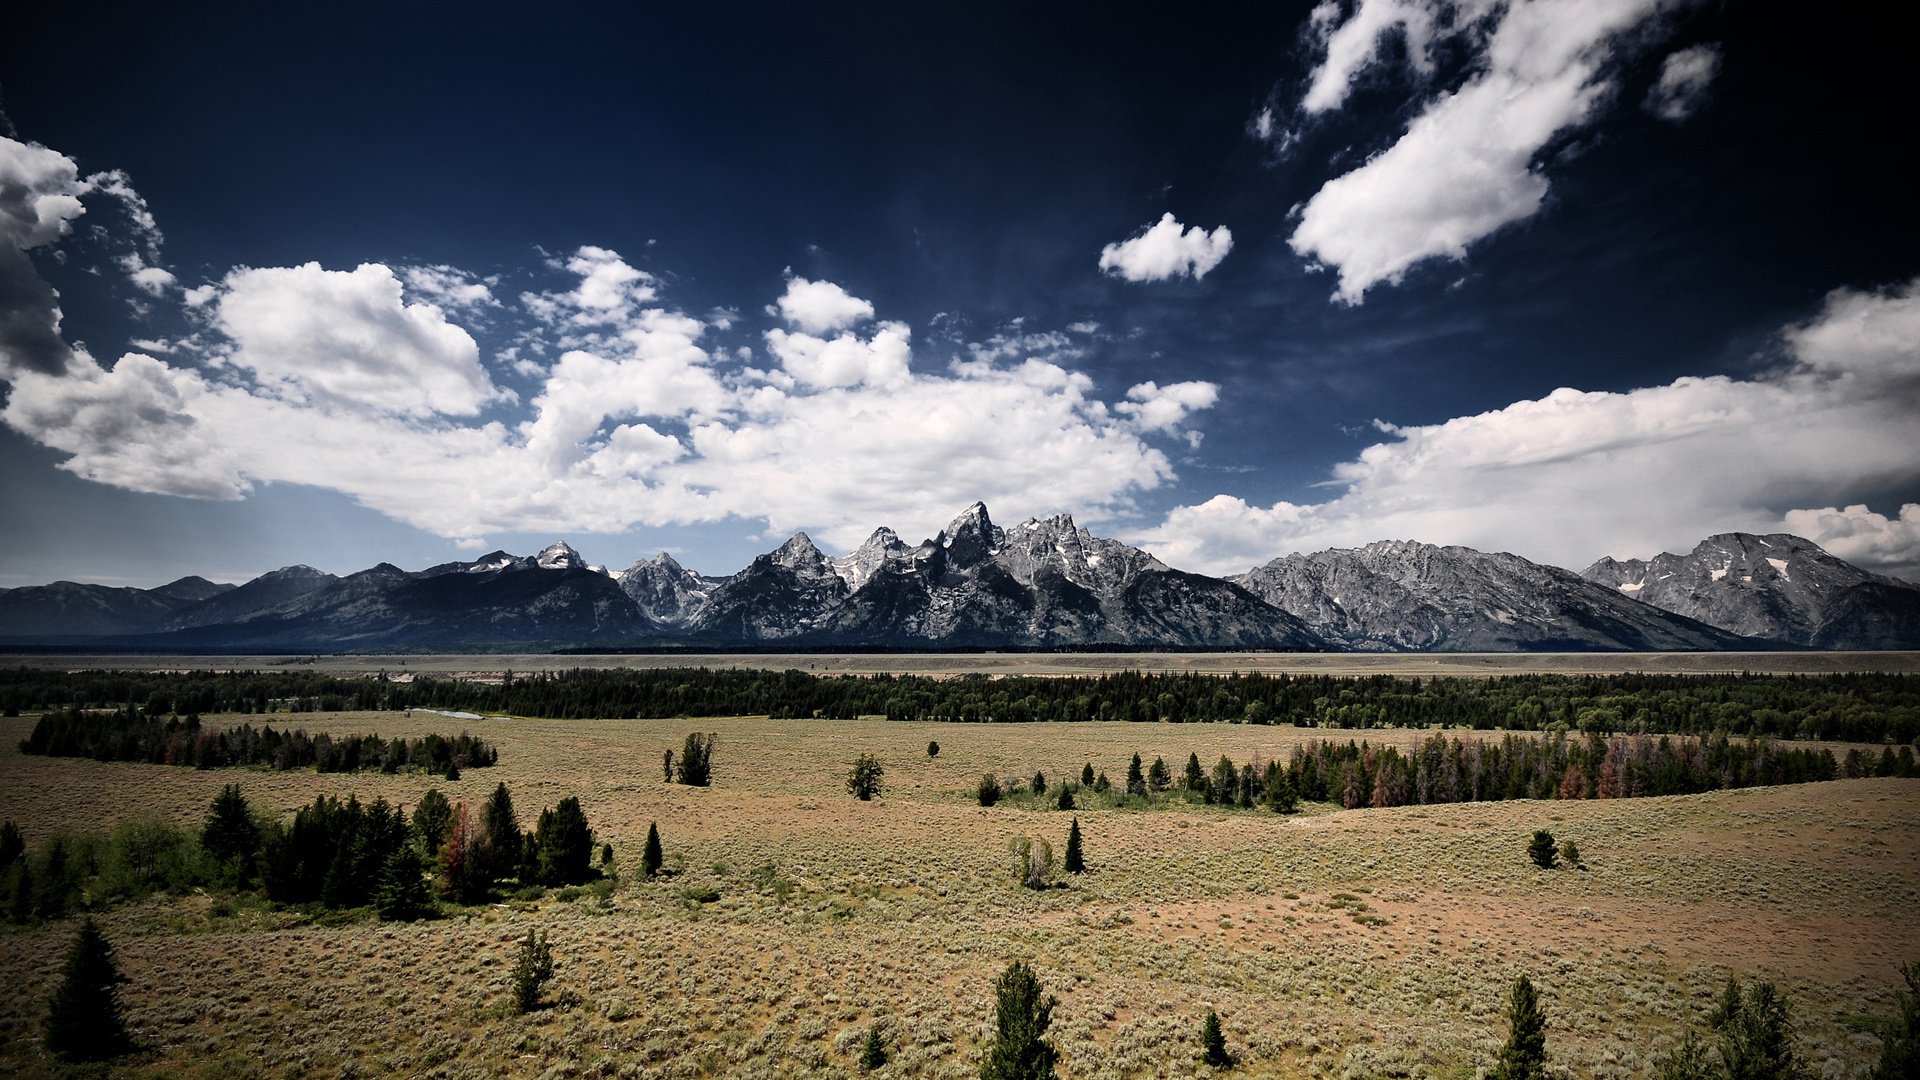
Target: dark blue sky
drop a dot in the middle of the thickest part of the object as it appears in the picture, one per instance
(962, 169)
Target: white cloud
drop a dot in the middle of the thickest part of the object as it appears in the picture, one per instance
(337, 337)
(1163, 250)
(449, 287)
(1162, 408)
(1576, 475)
(40, 193)
(1352, 45)
(1862, 536)
(846, 360)
(821, 307)
(1684, 80)
(1465, 166)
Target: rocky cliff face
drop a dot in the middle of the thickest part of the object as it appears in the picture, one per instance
(1779, 587)
(1401, 595)
(666, 592)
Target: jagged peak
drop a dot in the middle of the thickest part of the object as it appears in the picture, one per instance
(559, 555)
(797, 550)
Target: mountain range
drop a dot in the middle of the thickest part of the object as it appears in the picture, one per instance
(1041, 583)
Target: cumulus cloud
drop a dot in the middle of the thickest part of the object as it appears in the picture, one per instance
(335, 337)
(821, 307)
(449, 287)
(1162, 408)
(1578, 474)
(1862, 536)
(1684, 80)
(40, 193)
(847, 360)
(1465, 167)
(1164, 250)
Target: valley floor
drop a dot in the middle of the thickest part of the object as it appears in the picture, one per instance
(1334, 944)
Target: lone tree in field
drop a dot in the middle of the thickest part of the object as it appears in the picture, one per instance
(989, 789)
(873, 1052)
(1074, 862)
(1213, 1043)
(695, 766)
(1032, 862)
(1086, 775)
(650, 856)
(863, 782)
(1020, 1049)
(532, 967)
(1541, 850)
(1039, 782)
(933, 749)
(1524, 1057)
(83, 1021)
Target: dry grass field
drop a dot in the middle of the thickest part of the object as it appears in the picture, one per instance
(1369, 943)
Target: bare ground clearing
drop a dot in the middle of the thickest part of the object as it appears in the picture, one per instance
(833, 914)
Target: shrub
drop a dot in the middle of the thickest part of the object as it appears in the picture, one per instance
(1020, 1049)
(1524, 1057)
(989, 789)
(863, 782)
(83, 1020)
(1074, 862)
(1213, 1043)
(1032, 862)
(1540, 849)
(532, 967)
(1570, 852)
(695, 767)
(650, 856)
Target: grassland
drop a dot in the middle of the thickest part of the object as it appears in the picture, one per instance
(1334, 944)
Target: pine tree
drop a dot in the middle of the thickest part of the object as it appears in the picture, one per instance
(1541, 850)
(1039, 782)
(502, 828)
(1900, 1038)
(650, 856)
(695, 768)
(532, 967)
(1524, 1057)
(230, 835)
(12, 845)
(873, 1053)
(989, 789)
(1196, 779)
(430, 820)
(1020, 1049)
(1086, 775)
(1159, 777)
(1065, 801)
(402, 896)
(1074, 862)
(863, 781)
(1136, 779)
(83, 1021)
(563, 845)
(933, 749)
(1756, 1033)
(1213, 1043)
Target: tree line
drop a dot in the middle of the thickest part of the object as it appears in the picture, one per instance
(1846, 707)
(128, 733)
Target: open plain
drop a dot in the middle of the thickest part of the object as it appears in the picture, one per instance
(1333, 943)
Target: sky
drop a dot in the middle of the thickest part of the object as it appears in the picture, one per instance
(406, 283)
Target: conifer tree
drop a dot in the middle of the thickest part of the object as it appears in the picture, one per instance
(1159, 777)
(1074, 861)
(402, 896)
(1086, 775)
(1065, 801)
(532, 967)
(933, 749)
(650, 856)
(1039, 782)
(1541, 849)
(563, 845)
(1213, 1043)
(1756, 1033)
(1196, 779)
(863, 781)
(83, 1020)
(230, 835)
(12, 845)
(1524, 1057)
(873, 1052)
(1900, 1038)
(695, 767)
(1136, 779)
(502, 828)
(989, 789)
(1020, 1049)
(431, 819)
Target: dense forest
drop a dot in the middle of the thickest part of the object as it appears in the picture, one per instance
(1855, 707)
(128, 734)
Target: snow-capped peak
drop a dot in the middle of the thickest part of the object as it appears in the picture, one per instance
(558, 556)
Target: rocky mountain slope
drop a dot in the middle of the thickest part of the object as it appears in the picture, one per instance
(67, 609)
(1778, 586)
(1398, 595)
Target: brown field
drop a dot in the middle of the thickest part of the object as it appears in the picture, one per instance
(834, 914)
(1000, 664)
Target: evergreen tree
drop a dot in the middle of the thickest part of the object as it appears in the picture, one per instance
(1213, 1043)
(532, 967)
(650, 856)
(1900, 1039)
(83, 1020)
(695, 768)
(502, 829)
(1688, 1061)
(1541, 850)
(1065, 801)
(563, 845)
(1086, 775)
(1196, 779)
(863, 781)
(873, 1053)
(403, 896)
(933, 751)
(464, 859)
(20, 894)
(12, 845)
(1039, 782)
(1280, 796)
(231, 836)
(1136, 779)
(430, 820)
(1074, 862)
(1020, 1049)
(1756, 1033)
(989, 789)
(1159, 777)
(1524, 1057)
(666, 767)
